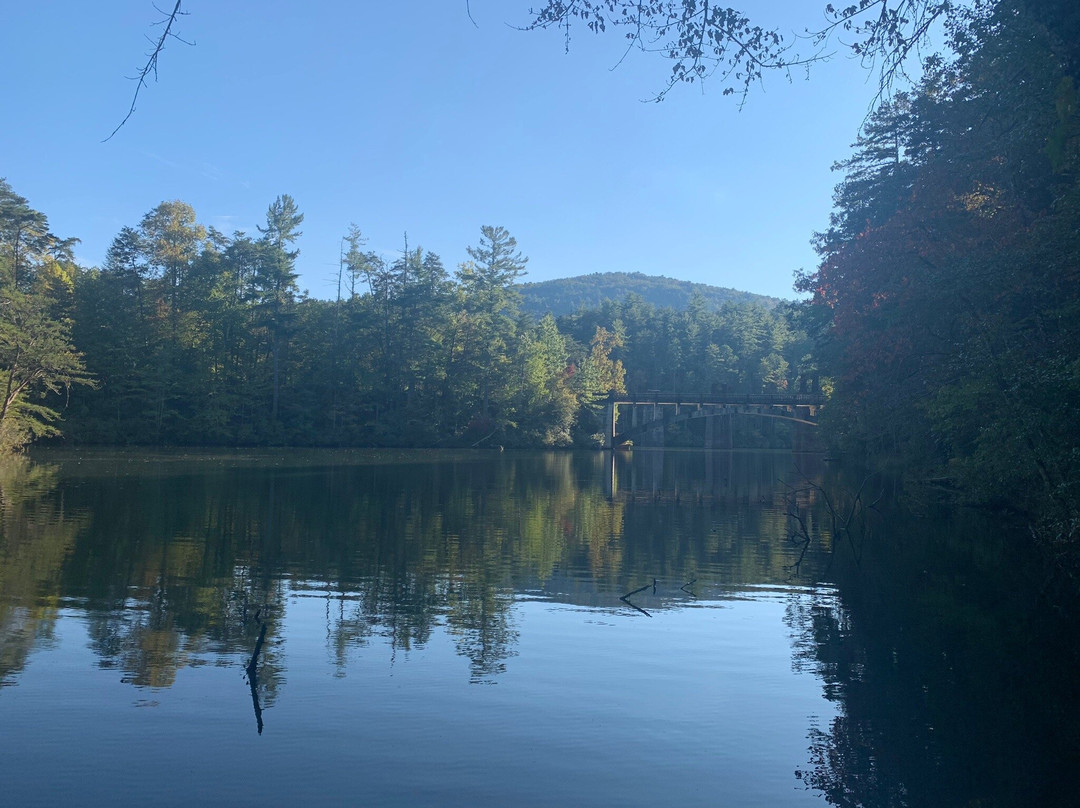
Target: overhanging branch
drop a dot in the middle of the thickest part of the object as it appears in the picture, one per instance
(152, 59)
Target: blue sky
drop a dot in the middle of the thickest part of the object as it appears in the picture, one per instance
(405, 117)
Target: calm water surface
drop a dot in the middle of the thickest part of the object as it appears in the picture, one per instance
(546, 629)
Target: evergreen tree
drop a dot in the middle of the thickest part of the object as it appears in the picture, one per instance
(491, 305)
(275, 283)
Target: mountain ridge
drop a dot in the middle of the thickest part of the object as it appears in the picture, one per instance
(566, 295)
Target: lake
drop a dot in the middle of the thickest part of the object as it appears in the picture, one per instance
(435, 628)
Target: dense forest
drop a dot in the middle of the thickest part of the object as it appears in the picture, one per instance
(944, 316)
(948, 292)
(186, 336)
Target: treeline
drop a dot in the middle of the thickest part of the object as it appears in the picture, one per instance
(186, 336)
(949, 286)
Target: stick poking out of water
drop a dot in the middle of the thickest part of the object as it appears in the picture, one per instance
(255, 655)
(625, 598)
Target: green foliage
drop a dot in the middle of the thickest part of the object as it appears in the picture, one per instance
(37, 359)
(736, 349)
(600, 375)
(547, 402)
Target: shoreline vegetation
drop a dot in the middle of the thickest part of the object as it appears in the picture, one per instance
(187, 337)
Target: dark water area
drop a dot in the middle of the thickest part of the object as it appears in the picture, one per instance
(544, 629)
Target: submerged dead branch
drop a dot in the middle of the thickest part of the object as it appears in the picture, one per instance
(846, 523)
(252, 671)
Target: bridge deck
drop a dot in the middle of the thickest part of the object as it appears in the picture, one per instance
(722, 400)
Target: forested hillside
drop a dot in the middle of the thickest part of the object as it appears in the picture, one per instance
(567, 295)
(949, 285)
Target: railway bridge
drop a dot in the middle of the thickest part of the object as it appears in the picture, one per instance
(651, 412)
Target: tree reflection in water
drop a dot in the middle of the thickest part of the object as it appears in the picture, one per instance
(950, 661)
(172, 555)
(952, 680)
(37, 534)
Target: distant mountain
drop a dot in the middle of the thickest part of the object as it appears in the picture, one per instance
(566, 295)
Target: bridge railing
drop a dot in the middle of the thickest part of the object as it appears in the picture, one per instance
(721, 399)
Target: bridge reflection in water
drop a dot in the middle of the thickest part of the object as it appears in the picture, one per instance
(648, 415)
(694, 477)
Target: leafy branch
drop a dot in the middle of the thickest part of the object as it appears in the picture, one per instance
(704, 39)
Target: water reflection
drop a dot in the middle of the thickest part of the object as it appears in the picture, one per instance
(171, 557)
(37, 533)
(951, 659)
(174, 555)
(286, 565)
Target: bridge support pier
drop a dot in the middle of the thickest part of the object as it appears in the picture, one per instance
(656, 435)
(718, 430)
(611, 414)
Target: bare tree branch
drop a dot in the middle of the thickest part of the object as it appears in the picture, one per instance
(152, 59)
